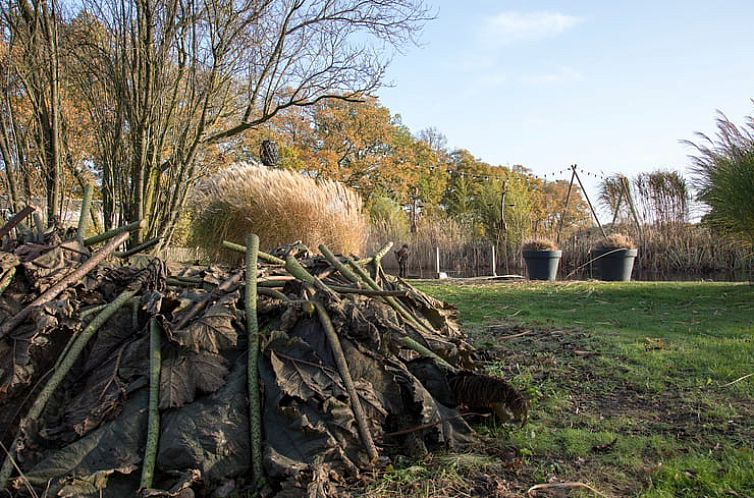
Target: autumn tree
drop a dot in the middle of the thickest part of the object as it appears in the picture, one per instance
(179, 81)
(358, 143)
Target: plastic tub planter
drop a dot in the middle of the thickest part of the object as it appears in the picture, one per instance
(542, 265)
(614, 265)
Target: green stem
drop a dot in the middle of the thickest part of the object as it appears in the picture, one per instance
(345, 374)
(252, 372)
(425, 352)
(59, 374)
(418, 326)
(368, 292)
(89, 311)
(377, 258)
(294, 268)
(94, 239)
(86, 204)
(153, 420)
(382, 251)
(261, 254)
(40, 226)
(141, 247)
(338, 264)
(274, 293)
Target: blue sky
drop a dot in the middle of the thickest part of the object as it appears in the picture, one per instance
(610, 85)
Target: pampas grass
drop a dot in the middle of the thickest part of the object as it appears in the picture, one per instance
(278, 205)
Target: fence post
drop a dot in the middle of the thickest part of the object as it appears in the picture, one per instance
(494, 262)
(437, 262)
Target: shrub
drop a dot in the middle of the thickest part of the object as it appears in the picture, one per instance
(539, 245)
(280, 206)
(615, 241)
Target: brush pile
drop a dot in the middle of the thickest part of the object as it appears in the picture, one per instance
(117, 379)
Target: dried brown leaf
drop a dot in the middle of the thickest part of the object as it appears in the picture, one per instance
(214, 330)
(183, 374)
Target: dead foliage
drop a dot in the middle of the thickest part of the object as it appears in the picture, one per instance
(410, 364)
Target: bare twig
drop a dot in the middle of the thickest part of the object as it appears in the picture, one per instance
(513, 336)
(274, 293)
(738, 380)
(13, 222)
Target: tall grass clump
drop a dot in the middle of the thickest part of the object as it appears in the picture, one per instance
(724, 171)
(278, 205)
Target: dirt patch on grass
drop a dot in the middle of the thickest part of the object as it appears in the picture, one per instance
(581, 389)
(591, 421)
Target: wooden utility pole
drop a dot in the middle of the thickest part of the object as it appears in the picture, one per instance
(503, 228)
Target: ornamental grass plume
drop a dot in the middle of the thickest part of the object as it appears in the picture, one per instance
(615, 241)
(539, 244)
(279, 206)
(724, 173)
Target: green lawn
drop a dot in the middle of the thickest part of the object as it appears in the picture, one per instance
(626, 382)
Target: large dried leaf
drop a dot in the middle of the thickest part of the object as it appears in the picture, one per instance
(214, 330)
(185, 373)
(211, 434)
(79, 467)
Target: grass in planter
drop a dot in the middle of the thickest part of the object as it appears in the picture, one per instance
(625, 381)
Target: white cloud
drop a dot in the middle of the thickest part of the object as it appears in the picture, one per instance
(511, 27)
(564, 75)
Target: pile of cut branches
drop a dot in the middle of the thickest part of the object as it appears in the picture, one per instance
(295, 375)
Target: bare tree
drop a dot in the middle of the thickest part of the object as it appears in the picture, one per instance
(435, 139)
(30, 34)
(177, 80)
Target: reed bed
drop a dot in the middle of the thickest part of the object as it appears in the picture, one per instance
(670, 249)
(674, 250)
(278, 205)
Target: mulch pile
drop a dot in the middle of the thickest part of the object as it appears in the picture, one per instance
(75, 373)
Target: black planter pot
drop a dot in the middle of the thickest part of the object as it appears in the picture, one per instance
(616, 266)
(542, 265)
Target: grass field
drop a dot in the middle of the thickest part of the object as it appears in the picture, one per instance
(630, 386)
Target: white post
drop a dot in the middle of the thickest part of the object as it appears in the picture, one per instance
(494, 265)
(437, 261)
